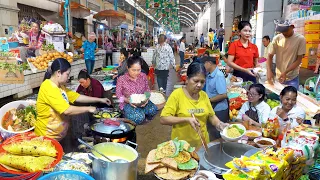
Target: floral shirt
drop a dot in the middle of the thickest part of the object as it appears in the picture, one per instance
(126, 86)
(89, 50)
(36, 41)
(163, 57)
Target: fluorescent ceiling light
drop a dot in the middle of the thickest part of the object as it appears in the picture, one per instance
(139, 8)
(188, 9)
(195, 4)
(185, 19)
(186, 14)
(185, 22)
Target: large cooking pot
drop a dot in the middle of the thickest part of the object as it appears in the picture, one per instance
(104, 170)
(125, 129)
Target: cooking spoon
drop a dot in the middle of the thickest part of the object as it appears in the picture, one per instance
(92, 148)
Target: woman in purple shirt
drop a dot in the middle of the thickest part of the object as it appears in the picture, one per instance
(134, 82)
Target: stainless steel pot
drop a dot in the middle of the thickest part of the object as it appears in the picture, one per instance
(102, 169)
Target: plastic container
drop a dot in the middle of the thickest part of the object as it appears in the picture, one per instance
(13, 44)
(67, 174)
(312, 25)
(307, 84)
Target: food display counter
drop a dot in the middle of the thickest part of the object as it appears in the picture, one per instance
(34, 79)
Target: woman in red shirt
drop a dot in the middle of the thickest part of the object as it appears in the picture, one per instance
(243, 55)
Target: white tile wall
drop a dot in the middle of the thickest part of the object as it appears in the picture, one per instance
(147, 56)
(34, 80)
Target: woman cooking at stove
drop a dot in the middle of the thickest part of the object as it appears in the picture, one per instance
(187, 101)
(135, 82)
(288, 112)
(53, 106)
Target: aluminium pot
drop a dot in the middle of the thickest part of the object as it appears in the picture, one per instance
(104, 170)
(126, 129)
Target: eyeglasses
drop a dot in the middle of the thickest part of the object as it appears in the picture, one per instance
(252, 94)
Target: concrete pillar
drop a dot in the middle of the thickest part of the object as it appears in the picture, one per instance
(8, 16)
(268, 10)
(213, 16)
(227, 17)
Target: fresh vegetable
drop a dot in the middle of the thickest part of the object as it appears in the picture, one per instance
(273, 103)
(236, 103)
(191, 164)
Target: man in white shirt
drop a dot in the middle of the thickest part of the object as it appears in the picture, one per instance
(162, 59)
(182, 50)
(268, 48)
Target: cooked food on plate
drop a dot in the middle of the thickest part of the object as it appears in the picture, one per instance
(264, 142)
(33, 147)
(252, 134)
(174, 159)
(19, 119)
(73, 165)
(234, 131)
(26, 163)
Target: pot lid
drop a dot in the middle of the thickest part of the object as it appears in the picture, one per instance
(110, 129)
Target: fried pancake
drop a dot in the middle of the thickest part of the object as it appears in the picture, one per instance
(183, 157)
(150, 167)
(151, 158)
(162, 170)
(195, 156)
(174, 175)
(170, 162)
(165, 149)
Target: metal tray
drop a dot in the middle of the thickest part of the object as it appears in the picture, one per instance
(220, 154)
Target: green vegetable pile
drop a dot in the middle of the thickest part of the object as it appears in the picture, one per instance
(273, 103)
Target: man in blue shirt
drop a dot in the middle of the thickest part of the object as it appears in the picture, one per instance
(201, 40)
(216, 88)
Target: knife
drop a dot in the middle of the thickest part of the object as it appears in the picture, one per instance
(204, 144)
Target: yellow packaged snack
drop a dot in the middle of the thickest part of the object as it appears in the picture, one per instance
(274, 166)
(252, 168)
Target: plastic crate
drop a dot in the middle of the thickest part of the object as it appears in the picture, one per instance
(67, 174)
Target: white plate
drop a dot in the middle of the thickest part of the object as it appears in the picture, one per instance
(257, 132)
(224, 133)
(80, 157)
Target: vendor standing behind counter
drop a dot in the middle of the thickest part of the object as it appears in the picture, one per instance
(53, 106)
(243, 55)
(35, 39)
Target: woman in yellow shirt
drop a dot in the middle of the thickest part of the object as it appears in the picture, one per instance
(53, 106)
(184, 102)
(210, 37)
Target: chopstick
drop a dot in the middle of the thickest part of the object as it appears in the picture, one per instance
(204, 144)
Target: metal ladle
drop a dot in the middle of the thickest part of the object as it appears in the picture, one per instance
(92, 148)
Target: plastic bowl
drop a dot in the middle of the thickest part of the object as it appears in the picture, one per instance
(67, 174)
(256, 140)
(259, 134)
(238, 83)
(6, 108)
(226, 138)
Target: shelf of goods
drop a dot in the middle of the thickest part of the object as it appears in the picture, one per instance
(34, 79)
(147, 56)
(307, 23)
